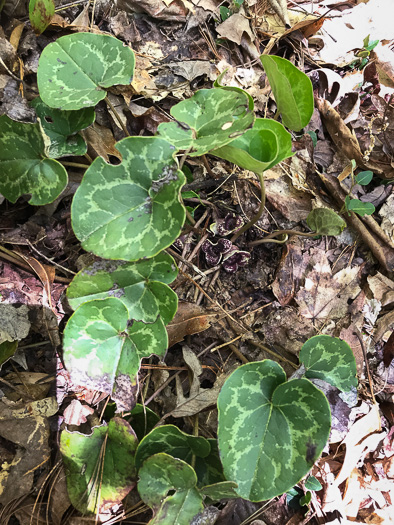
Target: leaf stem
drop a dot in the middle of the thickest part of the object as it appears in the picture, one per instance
(117, 116)
(195, 433)
(272, 235)
(258, 214)
(74, 164)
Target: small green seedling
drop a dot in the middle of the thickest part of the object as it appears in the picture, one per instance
(355, 205)
(364, 53)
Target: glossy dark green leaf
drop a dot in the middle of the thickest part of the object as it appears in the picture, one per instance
(142, 419)
(170, 440)
(7, 350)
(259, 148)
(292, 90)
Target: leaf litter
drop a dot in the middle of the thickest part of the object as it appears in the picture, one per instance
(285, 294)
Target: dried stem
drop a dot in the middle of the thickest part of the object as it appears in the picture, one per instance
(117, 116)
(272, 235)
(258, 214)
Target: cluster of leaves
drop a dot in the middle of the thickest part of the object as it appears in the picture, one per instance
(127, 215)
(363, 53)
(355, 205)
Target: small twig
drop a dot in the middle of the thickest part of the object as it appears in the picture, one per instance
(259, 213)
(213, 301)
(271, 352)
(168, 381)
(49, 260)
(117, 116)
(185, 261)
(360, 339)
(207, 166)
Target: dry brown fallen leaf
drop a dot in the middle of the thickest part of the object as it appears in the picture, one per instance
(101, 142)
(189, 319)
(25, 425)
(290, 272)
(199, 398)
(324, 295)
(341, 135)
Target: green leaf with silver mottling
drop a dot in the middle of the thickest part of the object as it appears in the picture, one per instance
(271, 431)
(324, 221)
(103, 349)
(359, 207)
(259, 148)
(217, 84)
(100, 468)
(172, 441)
(62, 128)
(210, 469)
(331, 359)
(292, 90)
(209, 119)
(75, 71)
(219, 491)
(131, 210)
(161, 474)
(139, 285)
(24, 165)
(40, 14)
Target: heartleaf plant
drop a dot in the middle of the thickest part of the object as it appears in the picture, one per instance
(363, 178)
(271, 430)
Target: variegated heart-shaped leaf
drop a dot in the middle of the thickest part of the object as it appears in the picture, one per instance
(209, 119)
(62, 128)
(24, 165)
(162, 474)
(330, 359)
(103, 349)
(259, 148)
(75, 70)
(271, 431)
(131, 210)
(100, 468)
(139, 285)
